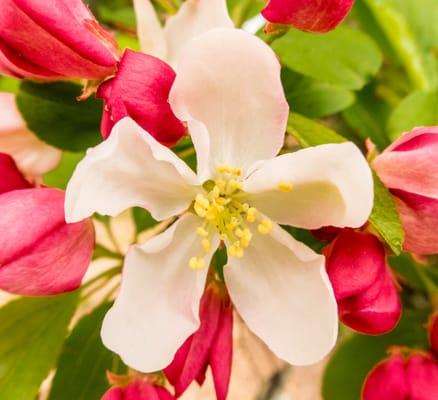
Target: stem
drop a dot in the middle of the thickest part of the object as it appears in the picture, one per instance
(275, 384)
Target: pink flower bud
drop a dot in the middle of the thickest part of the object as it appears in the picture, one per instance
(398, 379)
(363, 284)
(137, 388)
(409, 168)
(10, 176)
(53, 39)
(211, 345)
(32, 156)
(41, 254)
(433, 333)
(140, 90)
(308, 15)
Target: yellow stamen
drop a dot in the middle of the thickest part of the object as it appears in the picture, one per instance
(196, 263)
(206, 245)
(201, 232)
(265, 227)
(285, 186)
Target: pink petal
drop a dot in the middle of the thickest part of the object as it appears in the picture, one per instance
(376, 310)
(53, 39)
(140, 390)
(411, 163)
(140, 90)
(163, 394)
(422, 377)
(419, 216)
(433, 333)
(191, 358)
(41, 254)
(221, 353)
(308, 15)
(355, 260)
(114, 393)
(387, 381)
(10, 176)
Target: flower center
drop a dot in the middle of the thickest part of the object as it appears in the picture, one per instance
(222, 208)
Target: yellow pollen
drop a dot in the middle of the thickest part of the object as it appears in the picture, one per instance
(265, 227)
(285, 186)
(222, 210)
(196, 263)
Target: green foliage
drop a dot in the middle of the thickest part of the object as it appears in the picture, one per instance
(80, 373)
(8, 84)
(311, 133)
(142, 219)
(355, 357)
(418, 109)
(314, 98)
(60, 176)
(52, 112)
(384, 217)
(345, 57)
(32, 332)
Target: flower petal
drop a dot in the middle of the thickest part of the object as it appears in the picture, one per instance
(157, 308)
(422, 375)
(149, 29)
(281, 290)
(11, 177)
(419, 216)
(387, 380)
(192, 19)
(229, 81)
(129, 169)
(308, 15)
(32, 156)
(411, 163)
(46, 256)
(330, 185)
(140, 89)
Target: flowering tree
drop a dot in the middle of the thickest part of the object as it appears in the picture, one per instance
(278, 161)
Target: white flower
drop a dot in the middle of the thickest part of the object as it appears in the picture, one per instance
(228, 89)
(193, 18)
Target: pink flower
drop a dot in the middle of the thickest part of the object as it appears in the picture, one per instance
(433, 333)
(211, 344)
(409, 168)
(317, 16)
(363, 284)
(136, 389)
(32, 156)
(140, 90)
(41, 254)
(53, 39)
(395, 378)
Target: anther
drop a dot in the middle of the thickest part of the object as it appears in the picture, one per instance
(285, 186)
(196, 263)
(265, 227)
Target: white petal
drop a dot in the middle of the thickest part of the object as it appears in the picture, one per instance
(229, 80)
(129, 169)
(281, 290)
(158, 304)
(32, 156)
(192, 19)
(331, 185)
(149, 29)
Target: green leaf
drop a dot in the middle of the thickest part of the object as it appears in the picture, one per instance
(385, 218)
(311, 133)
(367, 116)
(314, 98)
(418, 109)
(60, 176)
(345, 57)
(8, 84)
(354, 358)
(32, 332)
(81, 368)
(142, 219)
(53, 113)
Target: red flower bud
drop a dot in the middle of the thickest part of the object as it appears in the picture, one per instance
(52, 39)
(138, 389)
(140, 90)
(409, 168)
(363, 284)
(10, 176)
(308, 15)
(211, 344)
